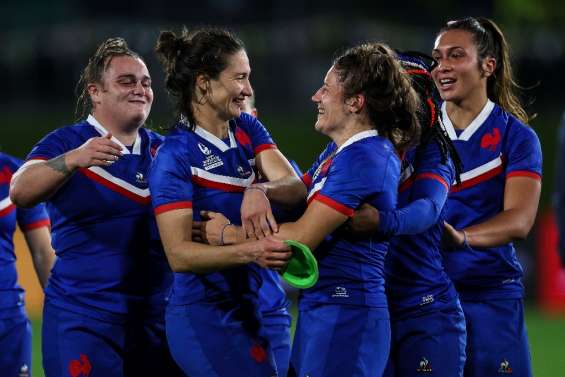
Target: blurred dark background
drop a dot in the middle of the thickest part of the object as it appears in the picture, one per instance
(45, 45)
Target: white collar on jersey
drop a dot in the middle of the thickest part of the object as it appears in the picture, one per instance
(355, 138)
(214, 140)
(471, 128)
(136, 145)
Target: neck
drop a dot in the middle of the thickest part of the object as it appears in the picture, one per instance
(342, 135)
(210, 121)
(126, 133)
(462, 113)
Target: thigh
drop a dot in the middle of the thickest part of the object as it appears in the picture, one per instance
(497, 342)
(432, 344)
(78, 346)
(333, 340)
(278, 336)
(15, 347)
(209, 341)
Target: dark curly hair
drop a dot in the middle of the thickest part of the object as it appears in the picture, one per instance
(94, 70)
(418, 67)
(192, 53)
(373, 70)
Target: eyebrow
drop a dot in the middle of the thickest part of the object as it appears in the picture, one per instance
(132, 76)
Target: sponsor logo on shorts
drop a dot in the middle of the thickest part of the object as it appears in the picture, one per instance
(24, 371)
(425, 366)
(340, 292)
(428, 299)
(505, 367)
(81, 367)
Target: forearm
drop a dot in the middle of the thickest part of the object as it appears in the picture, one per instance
(37, 182)
(201, 258)
(42, 263)
(415, 218)
(287, 191)
(507, 226)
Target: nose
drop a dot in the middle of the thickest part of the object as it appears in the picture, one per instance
(247, 89)
(316, 96)
(442, 65)
(139, 89)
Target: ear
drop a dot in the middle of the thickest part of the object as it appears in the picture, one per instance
(355, 103)
(94, 91)
(488, 66)
(202, 83)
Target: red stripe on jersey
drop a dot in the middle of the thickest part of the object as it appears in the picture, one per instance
(7, 210)
(406, 184)
(333, 204)
(307, 179)
(216, 185)
(116, 188)
(36, 225)
(433, 176)
(242, 137)
(418, 72)
(478, 179)
(171, 207)
(524, 173)
(264, 147)
(5, 175)
(41, 158)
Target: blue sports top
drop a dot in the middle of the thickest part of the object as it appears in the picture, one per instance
(415, 278)
(494, 147)
(12, 295)
(365, 169)
(195, 169)
(109, 261)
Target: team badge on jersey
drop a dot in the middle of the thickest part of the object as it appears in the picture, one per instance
(505, 367)
(204, 149)
(425, 366)
(491, 140)
(80, 368)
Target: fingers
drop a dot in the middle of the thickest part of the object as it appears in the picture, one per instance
(249, 229)
(272, 222)
(263, 229)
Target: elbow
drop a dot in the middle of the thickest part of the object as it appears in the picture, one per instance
(523, 229)
(18, 196)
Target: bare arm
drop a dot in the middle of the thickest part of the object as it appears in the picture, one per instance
(318, 221)
(36, 182)
(521, 199)
(283, 187)
(39, 243)
(184, 255)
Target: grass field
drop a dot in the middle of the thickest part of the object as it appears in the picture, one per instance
(547, 340)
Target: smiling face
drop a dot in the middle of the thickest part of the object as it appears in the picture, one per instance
(124, 96)
(331, 104)
(458, 75)
(227, 93)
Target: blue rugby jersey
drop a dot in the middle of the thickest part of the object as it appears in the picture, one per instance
(12, 295)
(365, 169)
(195, 169)
(108, 261)
(494, 147)
(415, 278)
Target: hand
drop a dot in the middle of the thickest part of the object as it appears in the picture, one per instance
(96, 151)
(451, 237)
(256, 214)
(365, 221)
(210, 229)
(270, 252)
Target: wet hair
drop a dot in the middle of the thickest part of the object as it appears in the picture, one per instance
(203, 51)
(490, 42)
(418, 67)
(372, 69)
(94, 70)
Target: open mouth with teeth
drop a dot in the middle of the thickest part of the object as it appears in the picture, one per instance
(446, 83)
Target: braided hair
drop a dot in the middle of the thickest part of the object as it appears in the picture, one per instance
(418, 67)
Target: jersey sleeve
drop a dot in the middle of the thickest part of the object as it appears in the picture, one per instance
(32, 218)
(429, 187)
(523, 153)
(52, 145)
(257, 133)
(354, 176)
(170, 178)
